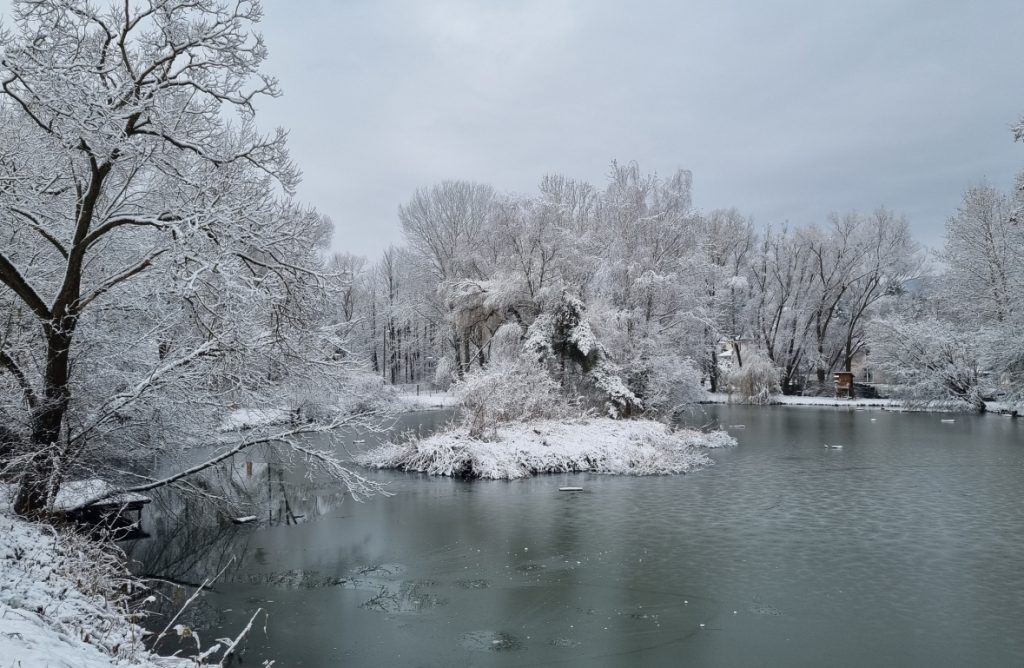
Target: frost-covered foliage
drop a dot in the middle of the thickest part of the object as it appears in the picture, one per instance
(67, 600)
(928, 360)
(756, 382)
(960, 341)
(658, 282)
(155, 274)
(600, 445)
(664, 380)
(564, 341)
(505, 392)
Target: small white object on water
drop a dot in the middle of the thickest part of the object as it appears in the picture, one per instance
(359, 440)
(244, 520)
(948, 420)
(834, 447)
(874, 419)
(737, 426)
(702, 626)
(734, 612)
(570, 489)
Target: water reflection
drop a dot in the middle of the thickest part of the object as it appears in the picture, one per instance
(904, 547)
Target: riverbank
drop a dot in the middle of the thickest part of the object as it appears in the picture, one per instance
(426, 401)
(784, 400)
(596, 445)
(64, 602)
(995, 407)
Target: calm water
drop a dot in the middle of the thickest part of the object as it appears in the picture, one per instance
(904, 547)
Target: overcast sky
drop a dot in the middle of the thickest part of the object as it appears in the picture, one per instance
(786, 110)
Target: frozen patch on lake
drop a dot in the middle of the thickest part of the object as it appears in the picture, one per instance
(296, 579)
(406, 597)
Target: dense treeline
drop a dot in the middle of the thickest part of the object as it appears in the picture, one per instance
(675, 297)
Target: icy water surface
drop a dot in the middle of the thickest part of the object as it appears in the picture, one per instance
(903, 547)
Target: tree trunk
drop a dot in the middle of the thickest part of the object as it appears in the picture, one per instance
(39, 478)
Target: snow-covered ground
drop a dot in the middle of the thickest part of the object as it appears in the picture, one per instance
(427, 401)
(55, 603)
(938, 406)
(722, 398)
(249, 418)
(597, 445)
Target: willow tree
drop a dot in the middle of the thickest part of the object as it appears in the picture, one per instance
(153, 272)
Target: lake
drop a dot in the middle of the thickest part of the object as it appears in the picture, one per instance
(903, 547)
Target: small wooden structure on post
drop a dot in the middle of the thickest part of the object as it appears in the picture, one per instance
(844, 385)
(121, 513)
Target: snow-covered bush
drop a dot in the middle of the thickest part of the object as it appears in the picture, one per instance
(930, 360)
(507, 391)
(666, 382)
(756, 382)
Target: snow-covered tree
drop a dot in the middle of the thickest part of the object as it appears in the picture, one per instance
(153, 270)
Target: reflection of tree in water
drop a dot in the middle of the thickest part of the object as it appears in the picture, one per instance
(278, 493)
(193, 536)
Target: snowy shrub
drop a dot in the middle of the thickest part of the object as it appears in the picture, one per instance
(756, 382)
(511, 391)
(667, 381)
(931, 361)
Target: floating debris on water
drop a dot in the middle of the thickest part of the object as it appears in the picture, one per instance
(565, 642)
(948, 420)
(473, 584)
(490, 641)
(764, 609)
(570, 489)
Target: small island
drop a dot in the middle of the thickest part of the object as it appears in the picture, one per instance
(594, 445)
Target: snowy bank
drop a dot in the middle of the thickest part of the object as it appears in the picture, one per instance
(598, 445)
(784, 400)
(933, 406)
(426, 401)
(62, 602)
(251, 418)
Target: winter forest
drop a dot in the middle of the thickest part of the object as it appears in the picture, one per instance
(680, 301)
(178, 327)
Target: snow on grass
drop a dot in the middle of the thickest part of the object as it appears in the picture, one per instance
(598, 445)
(62, 602)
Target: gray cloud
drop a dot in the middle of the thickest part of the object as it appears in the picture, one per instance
(787, 111)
